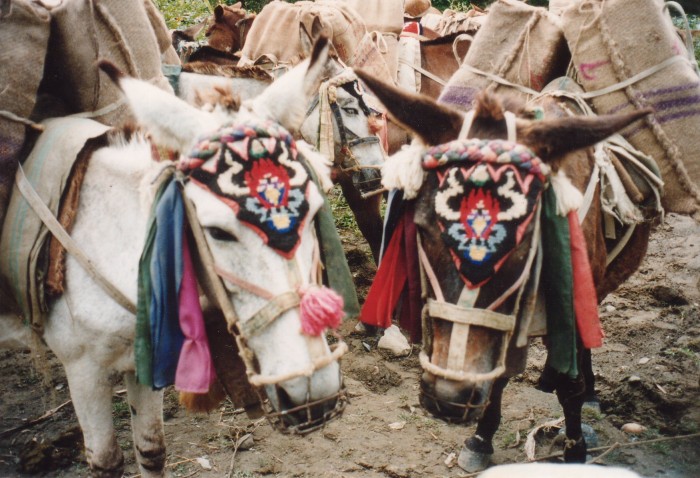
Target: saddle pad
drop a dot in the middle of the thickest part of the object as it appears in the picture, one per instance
(487, 193)
(23, 243)
(253, 168)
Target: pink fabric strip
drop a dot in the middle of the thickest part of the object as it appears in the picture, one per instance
(195, 369)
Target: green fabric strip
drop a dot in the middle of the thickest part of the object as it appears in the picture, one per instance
(557, 283)
(336, 270)
(143, 351)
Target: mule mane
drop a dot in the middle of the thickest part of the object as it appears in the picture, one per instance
(228, 71)
(125, 134)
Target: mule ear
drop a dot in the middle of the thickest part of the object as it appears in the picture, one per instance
(556, 137)
(172, 123)
(237, 5)
(309, 34)
(219, 12)
(432, 122)
(287, 98)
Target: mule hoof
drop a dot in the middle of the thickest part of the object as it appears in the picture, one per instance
(576, 453)
(475, 455)
(589, 434)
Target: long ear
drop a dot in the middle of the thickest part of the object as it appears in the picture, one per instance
(556, 137)
(172, 123)
(432, 122)
(287, 98)
(219, 13)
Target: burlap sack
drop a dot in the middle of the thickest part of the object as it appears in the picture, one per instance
(165, 44)
(24, 36)
(521, 44)
(613, 41)
(116, 30)
(384, 16)
(274, 37)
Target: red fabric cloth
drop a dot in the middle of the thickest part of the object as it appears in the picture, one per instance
(397, 272)
(585, 297)
(388, 283)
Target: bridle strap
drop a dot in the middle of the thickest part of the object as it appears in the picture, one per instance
(211, 283)
(274, 308)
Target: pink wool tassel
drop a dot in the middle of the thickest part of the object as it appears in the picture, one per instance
(321, 308)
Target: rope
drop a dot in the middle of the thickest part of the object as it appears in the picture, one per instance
(119, 36)
(9, 115)
(423, 71)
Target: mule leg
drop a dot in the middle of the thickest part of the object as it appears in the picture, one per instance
(367, 214)
(91, 393)
(477, 450)
(146, 408)
(570, 393)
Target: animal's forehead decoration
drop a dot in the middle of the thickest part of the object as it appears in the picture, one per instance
(253, 168)
(487, 192)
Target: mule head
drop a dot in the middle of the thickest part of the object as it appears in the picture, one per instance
(225, 33)
(256, 205)
(466, 208)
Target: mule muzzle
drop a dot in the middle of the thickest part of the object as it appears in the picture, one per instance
(453, 401)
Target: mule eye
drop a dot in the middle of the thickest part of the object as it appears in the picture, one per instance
(351, 111)
(221, 235)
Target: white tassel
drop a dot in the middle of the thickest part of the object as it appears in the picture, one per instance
(318, 162)
(568, 197)
(404, 170)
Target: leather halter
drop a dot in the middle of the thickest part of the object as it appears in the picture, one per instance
(212, 277)
(348, 138)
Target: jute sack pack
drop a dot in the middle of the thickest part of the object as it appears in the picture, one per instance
(517, 45)
(274, 37)
(384, 22)
(614, 40)
(24, 36)
(115, 30)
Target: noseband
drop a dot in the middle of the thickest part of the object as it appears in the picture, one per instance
(212, 277)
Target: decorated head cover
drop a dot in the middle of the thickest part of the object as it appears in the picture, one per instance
(487, 192)
(253, 168)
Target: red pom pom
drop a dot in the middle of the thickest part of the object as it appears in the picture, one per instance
(321, 308)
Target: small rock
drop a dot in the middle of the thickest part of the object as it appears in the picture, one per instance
(610, 308)
(643, 360)
(634, 379)
(449, 461)
(203, 462)
(395, 342)
(246, 442)
(633, 428)
(366, 346)
(397, 425)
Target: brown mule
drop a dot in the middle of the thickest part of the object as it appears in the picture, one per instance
(469, 352)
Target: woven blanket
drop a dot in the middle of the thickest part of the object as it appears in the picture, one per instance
(24, 239)
(253, 168)
(487, 193)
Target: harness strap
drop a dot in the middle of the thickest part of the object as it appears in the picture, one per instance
(466, 124)
(471, 315)
(50, 221)
(510, 125)
(423, 72)
(269, 312)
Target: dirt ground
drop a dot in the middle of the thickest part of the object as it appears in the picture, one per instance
(648, 373)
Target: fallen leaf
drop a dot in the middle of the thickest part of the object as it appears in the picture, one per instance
(530, 441)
